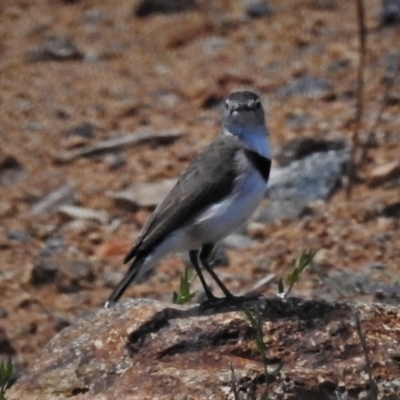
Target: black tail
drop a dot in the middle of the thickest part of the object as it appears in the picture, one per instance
(125, 282)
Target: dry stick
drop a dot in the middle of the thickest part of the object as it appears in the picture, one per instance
(355, 139)
(233, 383)
(372, 384)
(388, 82)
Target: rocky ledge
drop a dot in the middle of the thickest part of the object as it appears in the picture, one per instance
(145, 349)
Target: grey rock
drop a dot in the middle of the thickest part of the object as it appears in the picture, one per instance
(292, 188)
(339, 66)
(390, 12)
(147, 7)
(306, 86)
(56, 48)
(43, 272)
(258, 9)
(299, 148)
(52, 245)
(311, 178)
(5, 345)
(19, 236)
(85, 130)
(391, 210)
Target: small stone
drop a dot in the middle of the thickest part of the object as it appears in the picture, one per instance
(72, 274)
(19, 236)
(43, 272)
(52, 245)
(391, 210)
(258, 10)
(114, 161)
(56, 48)
(11, 170)
(390, 12)
(384, 173)
(6, 348)
(147, 7)
(84, 130)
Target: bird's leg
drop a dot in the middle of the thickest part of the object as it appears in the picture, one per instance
(204, 256)
(229, 298)
(194, 258)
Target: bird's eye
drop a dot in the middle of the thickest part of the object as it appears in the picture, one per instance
(226, 103)
(257, 104)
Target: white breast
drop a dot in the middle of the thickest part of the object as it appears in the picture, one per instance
(221, 219)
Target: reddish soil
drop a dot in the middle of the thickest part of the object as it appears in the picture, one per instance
(165, 72)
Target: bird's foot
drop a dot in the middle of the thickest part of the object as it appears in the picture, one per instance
(226, 302)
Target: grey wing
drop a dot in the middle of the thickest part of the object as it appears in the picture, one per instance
(208, 179)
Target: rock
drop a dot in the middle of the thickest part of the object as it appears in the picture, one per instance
(306, 86)
(292, 188)
(3, 313)
(84, 130)
(114, 161)
(143, 349)
(43, 272)
(56, 48)
(74, 212)
(390, 12)
(19, 236)
(391, 210)
(384, 173)
(143, 194)
(311, 178)
(72, 274)
(63, 195)
(68, 275)
(258, 9)
(6, 347)
(299, 148)
(11, 170)
(147, 7)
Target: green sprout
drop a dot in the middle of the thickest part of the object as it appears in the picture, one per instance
(255, 318)
(302, 262)
(184, 295)
(6, 371)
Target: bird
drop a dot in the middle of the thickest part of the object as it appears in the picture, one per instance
(216, 194)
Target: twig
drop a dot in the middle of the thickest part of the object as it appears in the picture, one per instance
(372, 384)
(120, 143)
(360, 96)
(233, 383)
(388, 82)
